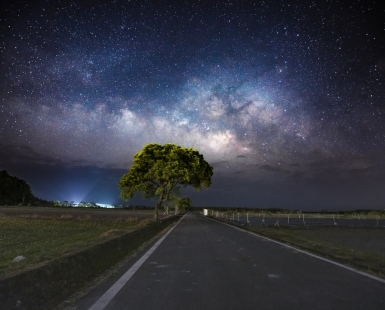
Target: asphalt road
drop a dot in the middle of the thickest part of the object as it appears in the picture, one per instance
(203, 264)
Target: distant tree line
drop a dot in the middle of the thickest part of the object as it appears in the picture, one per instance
(15, 191)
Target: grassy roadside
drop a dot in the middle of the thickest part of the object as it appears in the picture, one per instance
(51, 282)
(328, 242)
(41, 239)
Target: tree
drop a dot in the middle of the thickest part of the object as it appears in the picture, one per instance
(179, 204)
(159, 170)
(14, 190)
(183, 204)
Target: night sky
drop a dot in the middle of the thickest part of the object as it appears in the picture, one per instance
(285, 99)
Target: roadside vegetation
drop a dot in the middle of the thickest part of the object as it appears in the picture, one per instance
(359, 247)
(15, 191)
(363, 248)
(43, 234)
(283, 214)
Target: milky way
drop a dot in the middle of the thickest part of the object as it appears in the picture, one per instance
(285, 100)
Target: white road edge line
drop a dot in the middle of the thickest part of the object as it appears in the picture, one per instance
(102, 302)
(307, 253)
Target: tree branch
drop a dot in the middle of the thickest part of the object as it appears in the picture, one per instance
(169, 190)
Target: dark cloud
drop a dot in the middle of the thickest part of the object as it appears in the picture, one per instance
(270, 168)
(241, 156)
(220, 163)
(24, 155)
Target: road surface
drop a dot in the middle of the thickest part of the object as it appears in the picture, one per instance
(203, 264)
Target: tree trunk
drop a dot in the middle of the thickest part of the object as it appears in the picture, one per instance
(158, 205)
(156, 212)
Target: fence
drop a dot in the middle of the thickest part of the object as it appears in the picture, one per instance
(302, 219)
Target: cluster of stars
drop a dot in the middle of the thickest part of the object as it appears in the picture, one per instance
(265, 90)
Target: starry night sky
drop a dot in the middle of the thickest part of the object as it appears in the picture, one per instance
(285, 99)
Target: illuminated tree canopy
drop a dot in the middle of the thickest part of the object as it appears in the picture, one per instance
(159, 170)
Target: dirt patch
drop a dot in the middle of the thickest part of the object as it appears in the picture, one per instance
(111, 233)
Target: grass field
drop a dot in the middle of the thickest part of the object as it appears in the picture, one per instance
(360, 247)
(298, 215)
(363, 248)
(42, 234)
